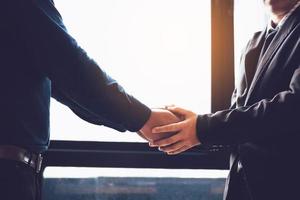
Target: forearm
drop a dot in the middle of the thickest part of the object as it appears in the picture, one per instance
(57, 55)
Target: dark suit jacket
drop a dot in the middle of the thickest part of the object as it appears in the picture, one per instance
(263, 124)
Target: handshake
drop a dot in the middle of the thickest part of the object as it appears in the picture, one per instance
(172, 130)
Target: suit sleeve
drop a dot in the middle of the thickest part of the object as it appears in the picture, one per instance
(83, 113)
(78, 78)
(260, 121)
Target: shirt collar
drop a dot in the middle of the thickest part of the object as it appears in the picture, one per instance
(271, 25)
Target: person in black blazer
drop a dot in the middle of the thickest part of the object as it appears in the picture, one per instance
(263, 123)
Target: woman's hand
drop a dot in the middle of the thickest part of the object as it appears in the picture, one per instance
(186, 136)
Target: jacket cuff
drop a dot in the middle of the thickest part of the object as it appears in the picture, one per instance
(202, 129)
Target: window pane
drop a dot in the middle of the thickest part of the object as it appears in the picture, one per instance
(159, 50)
(132, 184)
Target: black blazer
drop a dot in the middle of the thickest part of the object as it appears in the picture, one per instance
(263, 123)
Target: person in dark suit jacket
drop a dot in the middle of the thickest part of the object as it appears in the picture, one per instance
(39, 59)
(263, 124)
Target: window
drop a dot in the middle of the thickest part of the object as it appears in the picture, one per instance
(246, 24)
(132, 184)
(93, 170)
(159, 50)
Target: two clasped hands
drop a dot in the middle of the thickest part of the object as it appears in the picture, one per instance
(172, 129)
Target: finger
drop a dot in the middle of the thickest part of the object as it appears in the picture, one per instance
(172, 147)
(150, 144)
(178, 110)
(167, 106)
(167, 141)
(182, 149)
(168, 128)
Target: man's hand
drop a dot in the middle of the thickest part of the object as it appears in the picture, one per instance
(186, 136)
(158, 117)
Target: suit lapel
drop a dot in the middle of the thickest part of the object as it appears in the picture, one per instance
(269, 54)
(247, 67)
(252, 55)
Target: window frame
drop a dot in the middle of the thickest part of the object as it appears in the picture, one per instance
(139, 155)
